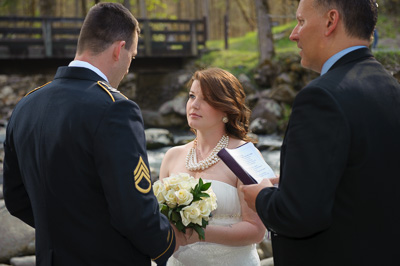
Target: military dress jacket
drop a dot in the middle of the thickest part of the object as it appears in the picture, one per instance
(339, 192)
(76, 169)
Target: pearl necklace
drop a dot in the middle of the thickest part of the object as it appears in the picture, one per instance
(191, 159)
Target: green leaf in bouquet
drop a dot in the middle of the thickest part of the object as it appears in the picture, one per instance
(205, 186)
(203, 195)
(199, 196)
(201, 182)
(196, 198)
(175, 216)
(195, 190)
(164, 209)
(178, 209)
(204, 223)
(180, 226)
(200, 231)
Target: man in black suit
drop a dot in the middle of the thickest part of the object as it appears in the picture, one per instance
(339, 190)
(75, 164)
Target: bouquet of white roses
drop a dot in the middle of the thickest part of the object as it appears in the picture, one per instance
(186, 201)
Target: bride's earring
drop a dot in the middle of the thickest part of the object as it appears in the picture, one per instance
(225, 119)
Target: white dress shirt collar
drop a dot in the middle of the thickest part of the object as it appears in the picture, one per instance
(331, 61)
(78, 63)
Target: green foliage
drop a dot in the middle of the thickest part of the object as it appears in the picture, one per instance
(154, 4)
(234, 61)
(284, 27)
(389, 59)
(197, 191)
(388, 26)
(242, 55)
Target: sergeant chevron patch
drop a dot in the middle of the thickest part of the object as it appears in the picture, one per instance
(142, 177)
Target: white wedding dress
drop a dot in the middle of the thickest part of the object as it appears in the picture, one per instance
(227, 213)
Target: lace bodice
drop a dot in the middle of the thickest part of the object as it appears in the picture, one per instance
(227, 213)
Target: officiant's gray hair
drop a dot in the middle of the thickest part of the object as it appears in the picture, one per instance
(105, 24)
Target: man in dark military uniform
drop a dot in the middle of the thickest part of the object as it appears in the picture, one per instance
(75, 164)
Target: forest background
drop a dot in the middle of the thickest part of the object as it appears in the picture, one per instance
(240, 52)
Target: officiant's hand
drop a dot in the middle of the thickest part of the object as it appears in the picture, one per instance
(250, 192)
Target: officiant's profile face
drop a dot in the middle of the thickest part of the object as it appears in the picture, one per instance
(200, 114)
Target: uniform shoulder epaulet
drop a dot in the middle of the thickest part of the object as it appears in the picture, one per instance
(37, 88)
(109, 90)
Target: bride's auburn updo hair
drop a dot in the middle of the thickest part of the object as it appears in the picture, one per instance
(223, 91)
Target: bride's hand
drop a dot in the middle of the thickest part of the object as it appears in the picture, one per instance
(181, 239)
(191, 236)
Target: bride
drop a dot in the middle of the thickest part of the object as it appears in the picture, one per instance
(216, 112)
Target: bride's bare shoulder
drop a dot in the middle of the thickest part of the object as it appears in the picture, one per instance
(234, 143)
(178, 150)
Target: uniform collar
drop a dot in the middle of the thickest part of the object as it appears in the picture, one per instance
(79, 63)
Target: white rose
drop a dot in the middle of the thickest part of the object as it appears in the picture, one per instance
(172, 182)
(187, 185)
(159, 191)
(183, 197)
(212, 200)
(205, 209)
(170, 198)
(185, 176)
(191, 214)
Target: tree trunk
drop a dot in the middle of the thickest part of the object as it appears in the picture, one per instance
(32, 8)
(46, 8)
(206, 15)
(265, 38)
(226, 23)
(84, 8)
(250, 21)
(127, 4)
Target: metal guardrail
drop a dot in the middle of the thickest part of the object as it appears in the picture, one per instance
(52, 37)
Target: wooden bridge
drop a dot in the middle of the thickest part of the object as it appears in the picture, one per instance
(56, 38)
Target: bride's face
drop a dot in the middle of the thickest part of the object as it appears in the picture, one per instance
(200, 114)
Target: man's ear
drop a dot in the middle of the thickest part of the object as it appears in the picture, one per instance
(118, 46)
(332, 21)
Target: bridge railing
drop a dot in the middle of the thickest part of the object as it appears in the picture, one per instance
(34, 37)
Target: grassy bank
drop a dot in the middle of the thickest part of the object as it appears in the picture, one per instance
(242, 54)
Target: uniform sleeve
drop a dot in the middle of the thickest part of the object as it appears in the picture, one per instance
(15, 195)
(313, 158)
(121, 160)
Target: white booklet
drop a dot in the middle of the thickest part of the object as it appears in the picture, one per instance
(247, 163)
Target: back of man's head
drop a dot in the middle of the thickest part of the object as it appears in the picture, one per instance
(105, 24)
(359, 16)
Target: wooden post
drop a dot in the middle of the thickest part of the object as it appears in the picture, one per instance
(146, 28)
(226, 25)
(206, 8)
(47, 38)
(206, 29)
(193, 39)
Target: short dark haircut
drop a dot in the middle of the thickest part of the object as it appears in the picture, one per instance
(359, 16)
(105, 24)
